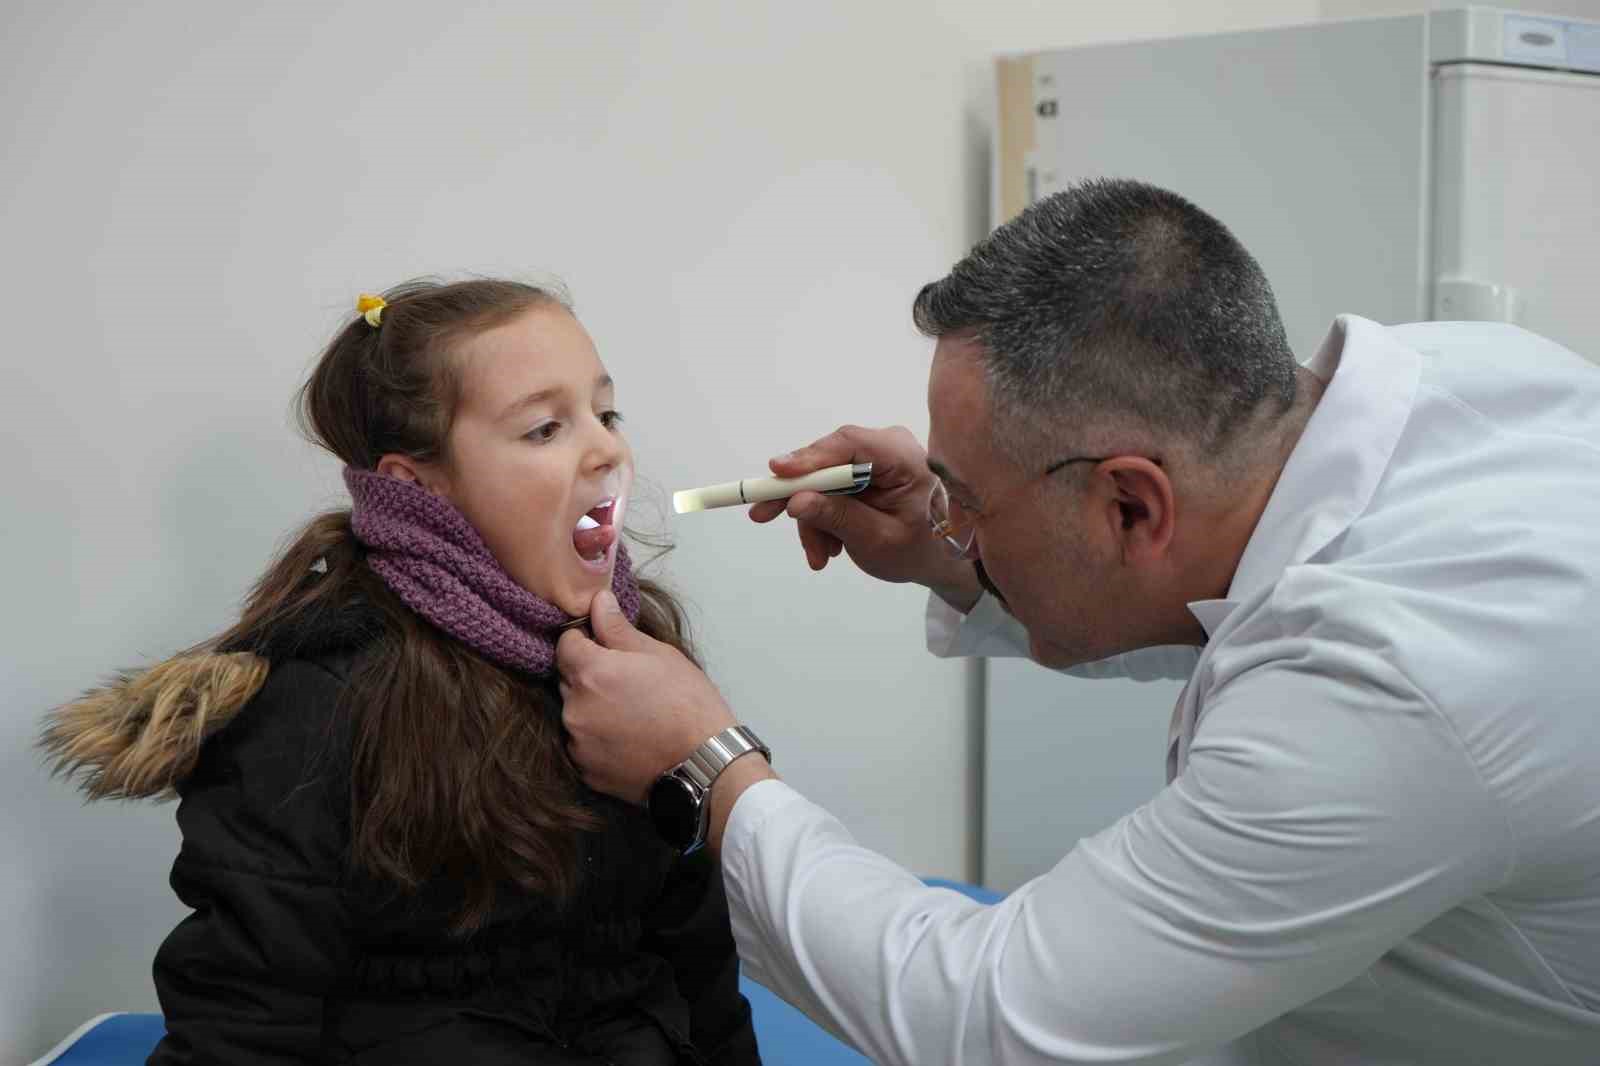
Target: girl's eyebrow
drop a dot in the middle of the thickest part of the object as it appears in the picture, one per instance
(602, 382)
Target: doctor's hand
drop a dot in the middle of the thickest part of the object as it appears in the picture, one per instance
(884, 529)
(633, 706)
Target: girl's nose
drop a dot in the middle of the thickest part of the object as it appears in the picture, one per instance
(607, 449)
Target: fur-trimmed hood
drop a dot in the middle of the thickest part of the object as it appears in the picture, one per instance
(139, 735)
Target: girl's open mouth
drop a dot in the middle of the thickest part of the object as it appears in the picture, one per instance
(595, 533)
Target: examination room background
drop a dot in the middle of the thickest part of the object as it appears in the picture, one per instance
(743, 198)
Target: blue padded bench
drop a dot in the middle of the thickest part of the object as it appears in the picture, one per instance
(787, 1037)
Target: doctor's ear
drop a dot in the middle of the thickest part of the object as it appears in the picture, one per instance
(1140, 508)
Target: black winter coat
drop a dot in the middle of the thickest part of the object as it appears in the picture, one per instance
(289, 959)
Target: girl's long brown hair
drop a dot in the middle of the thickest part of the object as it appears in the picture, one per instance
(459, 767)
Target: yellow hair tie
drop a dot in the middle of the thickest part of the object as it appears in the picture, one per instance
(371, 307)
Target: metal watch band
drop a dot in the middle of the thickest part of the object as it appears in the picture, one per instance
(711, 758)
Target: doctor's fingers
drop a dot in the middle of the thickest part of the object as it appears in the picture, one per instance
(767, 511)
(579, 659)
(818, 546)
(572, 647)
(896, 456)
(899, 465)
(858, 526)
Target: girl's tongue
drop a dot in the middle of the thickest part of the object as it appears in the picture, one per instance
(594, 534)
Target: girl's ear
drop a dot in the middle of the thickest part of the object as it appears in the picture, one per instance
(405, 468)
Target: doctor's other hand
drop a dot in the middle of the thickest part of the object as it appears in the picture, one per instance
(883, 529)
(633, 707)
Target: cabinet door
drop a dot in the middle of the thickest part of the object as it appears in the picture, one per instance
(1516, 233)
(1309, 142)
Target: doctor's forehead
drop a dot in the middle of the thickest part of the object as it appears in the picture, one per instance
(958, 403)
(956, 376)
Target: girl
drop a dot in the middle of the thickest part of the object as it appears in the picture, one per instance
(389, 857)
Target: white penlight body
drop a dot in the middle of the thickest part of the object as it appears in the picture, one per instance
(760, 489)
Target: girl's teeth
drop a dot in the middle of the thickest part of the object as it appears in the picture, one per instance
(588, 523)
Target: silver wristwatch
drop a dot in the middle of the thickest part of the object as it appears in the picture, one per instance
(678, 800)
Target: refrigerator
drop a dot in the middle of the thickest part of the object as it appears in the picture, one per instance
(1441, 165)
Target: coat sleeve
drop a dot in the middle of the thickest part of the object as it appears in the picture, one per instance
(689, 927)
(243, 979)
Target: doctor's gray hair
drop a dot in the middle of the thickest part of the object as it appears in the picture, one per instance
(1115, 301)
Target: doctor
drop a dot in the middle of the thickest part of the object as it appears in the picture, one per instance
(1380, 573)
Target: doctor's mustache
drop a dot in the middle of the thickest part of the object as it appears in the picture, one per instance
(988, 586)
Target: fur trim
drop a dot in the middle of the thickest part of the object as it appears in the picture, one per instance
(139, 736)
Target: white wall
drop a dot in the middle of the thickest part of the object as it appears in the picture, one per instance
(743, 197)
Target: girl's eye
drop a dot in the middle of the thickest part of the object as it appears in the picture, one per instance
(543, 432)
(611, 419)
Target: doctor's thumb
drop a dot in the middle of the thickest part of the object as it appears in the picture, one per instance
(610, 626)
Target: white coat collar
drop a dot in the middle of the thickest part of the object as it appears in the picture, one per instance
(1334, 469)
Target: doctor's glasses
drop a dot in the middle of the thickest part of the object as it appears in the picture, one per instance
(957, 524)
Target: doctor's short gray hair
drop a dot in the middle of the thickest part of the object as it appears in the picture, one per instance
(1115, 301)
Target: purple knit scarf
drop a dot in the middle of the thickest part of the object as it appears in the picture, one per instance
(435, 561)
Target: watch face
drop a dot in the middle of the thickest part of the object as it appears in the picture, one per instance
(674, 811)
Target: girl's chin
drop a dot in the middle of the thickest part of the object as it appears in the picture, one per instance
(576, 601)
(586, 579)
(575, 592)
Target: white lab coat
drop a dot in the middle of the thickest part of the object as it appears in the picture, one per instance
(1380, 840)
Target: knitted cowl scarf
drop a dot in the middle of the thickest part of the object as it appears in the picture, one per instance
(434, 560)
